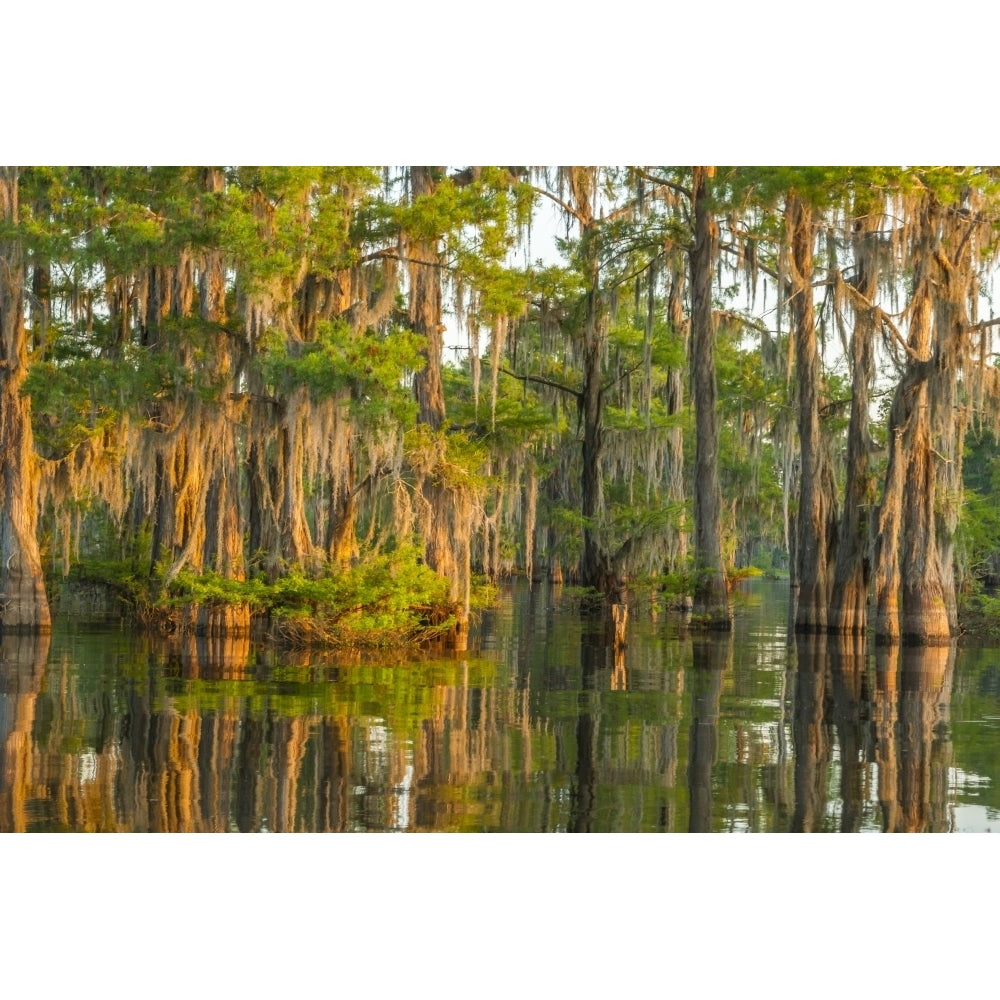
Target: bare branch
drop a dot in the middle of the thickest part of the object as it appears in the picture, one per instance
(575, 393)
(566, 208)
(663, 182)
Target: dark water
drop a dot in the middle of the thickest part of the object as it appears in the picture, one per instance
(540, 728)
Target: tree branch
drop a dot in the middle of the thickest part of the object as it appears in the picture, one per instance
(566, 208)
(662, 182)
(577, 394)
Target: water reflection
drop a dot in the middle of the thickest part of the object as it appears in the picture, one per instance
(22, 667)
(548, 728)
(849, 677)
(913, 692)
(711, 656)
(811, 737)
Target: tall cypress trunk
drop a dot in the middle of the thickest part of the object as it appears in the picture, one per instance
(849, 605)
(816, 520)
(890, 514)
(911, 583)
(954, 290)
(594, 566)
(425, 306)
(710, 598)
(223, 514)
(674, 472)
(23, 603)
(447, 513)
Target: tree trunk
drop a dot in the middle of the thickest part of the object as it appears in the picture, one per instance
(674, 471)
(595, 570)
(710, 598)
(447, 511)
(909, 568)
(23, 603)
(223, 514)
(425, 306)
(296, 539)
(816, 520)
(849, 605)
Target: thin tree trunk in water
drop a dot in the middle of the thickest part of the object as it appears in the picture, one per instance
(594, 568)
(849, 607)
(710, 598)
(675, 402)
(23, 603)
(816, 521)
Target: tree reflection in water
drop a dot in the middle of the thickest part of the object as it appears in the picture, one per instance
(712, 654)
(809, 732)
(22, 669)
(848, 674)
(551, 728)
(913, 743)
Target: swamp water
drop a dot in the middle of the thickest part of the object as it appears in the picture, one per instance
(540, 727)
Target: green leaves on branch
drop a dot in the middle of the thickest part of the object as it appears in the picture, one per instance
(370, 368)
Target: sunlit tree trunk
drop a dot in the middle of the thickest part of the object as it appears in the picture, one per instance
(816, 520)
(955, 288)
(425, 305)
(710, 598)
(223, 513)
(849, 605)
(446, 513)
(910, 580)
(23, 602)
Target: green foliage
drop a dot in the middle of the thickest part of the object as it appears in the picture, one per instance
(368, 366)
(979, 615)
(386, 600)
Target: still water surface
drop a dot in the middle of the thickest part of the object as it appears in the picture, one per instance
(540, 727)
